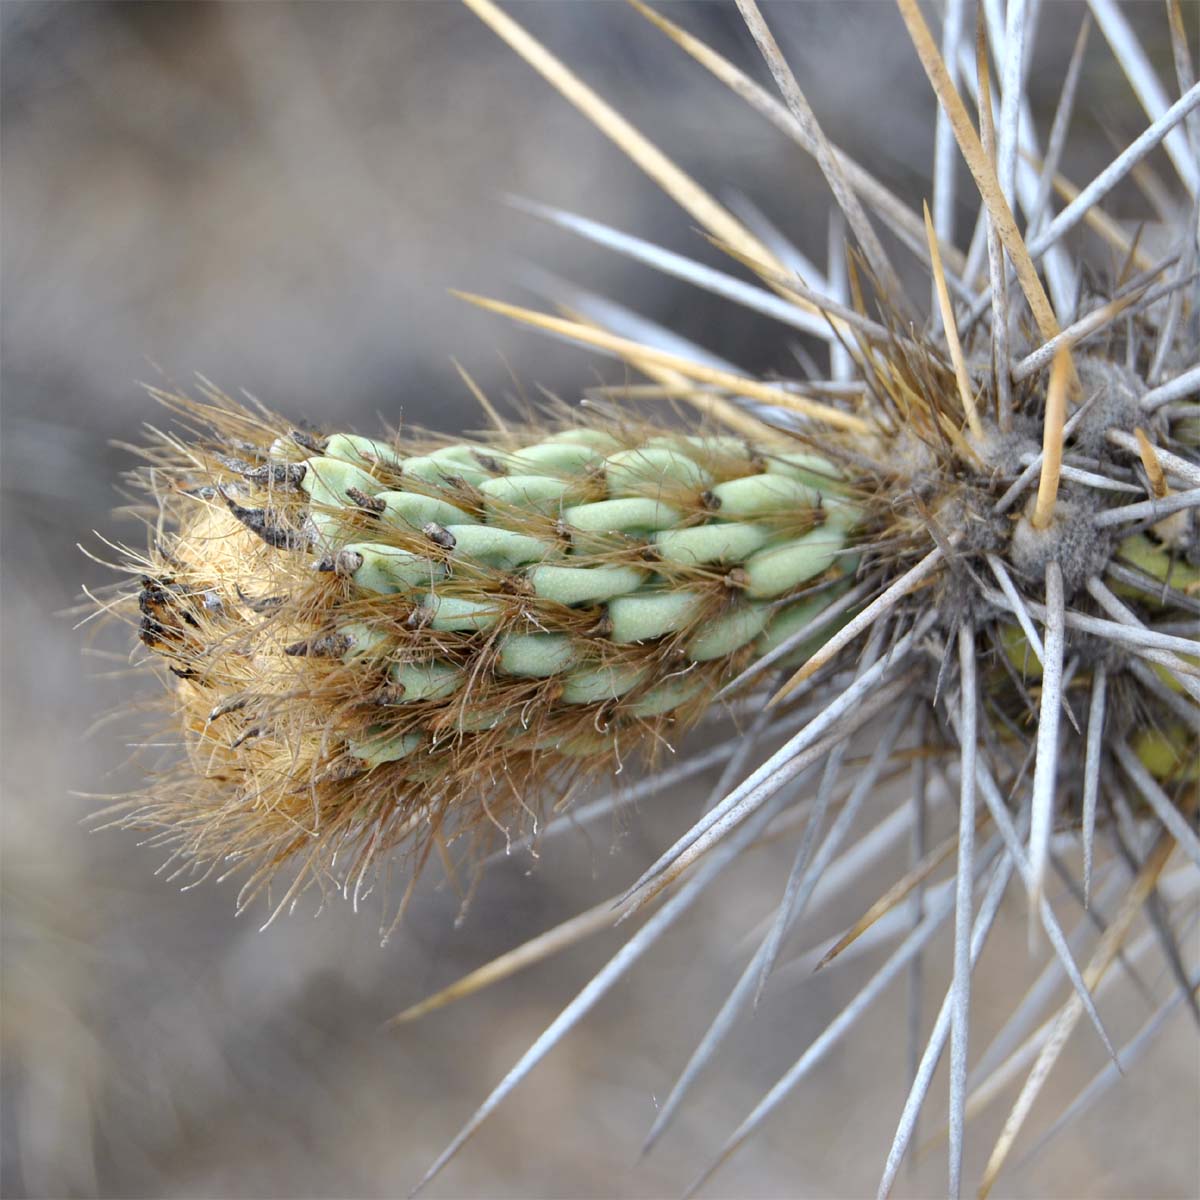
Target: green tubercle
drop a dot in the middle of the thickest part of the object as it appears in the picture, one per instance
(776, 571)
(644, 471)
(534, 493)
(494, 547)
(380, 747)
(763, 496)
(1019, 652)
(455, 462)
(805, 468)
(791, 620)
(537, 655)
(729, 632)
(632, 514)
(594, 685)
(386, 570)
(413, 511)
(328, 482)
(426, 681)
(556, 458)
(730, 542)
(361, 450)
(650, 614)
(452, 614)
(364, 640)
(668, 695)
(584, 585)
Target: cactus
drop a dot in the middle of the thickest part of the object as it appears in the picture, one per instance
(375, 637)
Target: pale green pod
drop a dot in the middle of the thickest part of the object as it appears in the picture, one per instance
(411, 510)
(777, 570)
(728, 632)
(534, 493)
(376, 749)
(452, 614)
(583, 585)
(495, 547)
(355, 449)
(639, 472)
(594, 685)
(327, 480)
(632, 514)
(730, 542)
(807, 468)
(795, 617)
(597, 439)
(474, 721)
(565, 458)
(437, 469)
(364, 640)
(427, 680)
(538, 655)
(667, 695)
(788, 620)
(763, 496)
(648, 615)
(387, 569)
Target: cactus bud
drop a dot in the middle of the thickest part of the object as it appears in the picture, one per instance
(451, 624)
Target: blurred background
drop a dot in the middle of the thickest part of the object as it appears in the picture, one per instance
(279, 196)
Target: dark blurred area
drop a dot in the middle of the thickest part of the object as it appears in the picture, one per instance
(278, 197)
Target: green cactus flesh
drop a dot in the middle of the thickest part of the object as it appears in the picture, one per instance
(736, 533)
